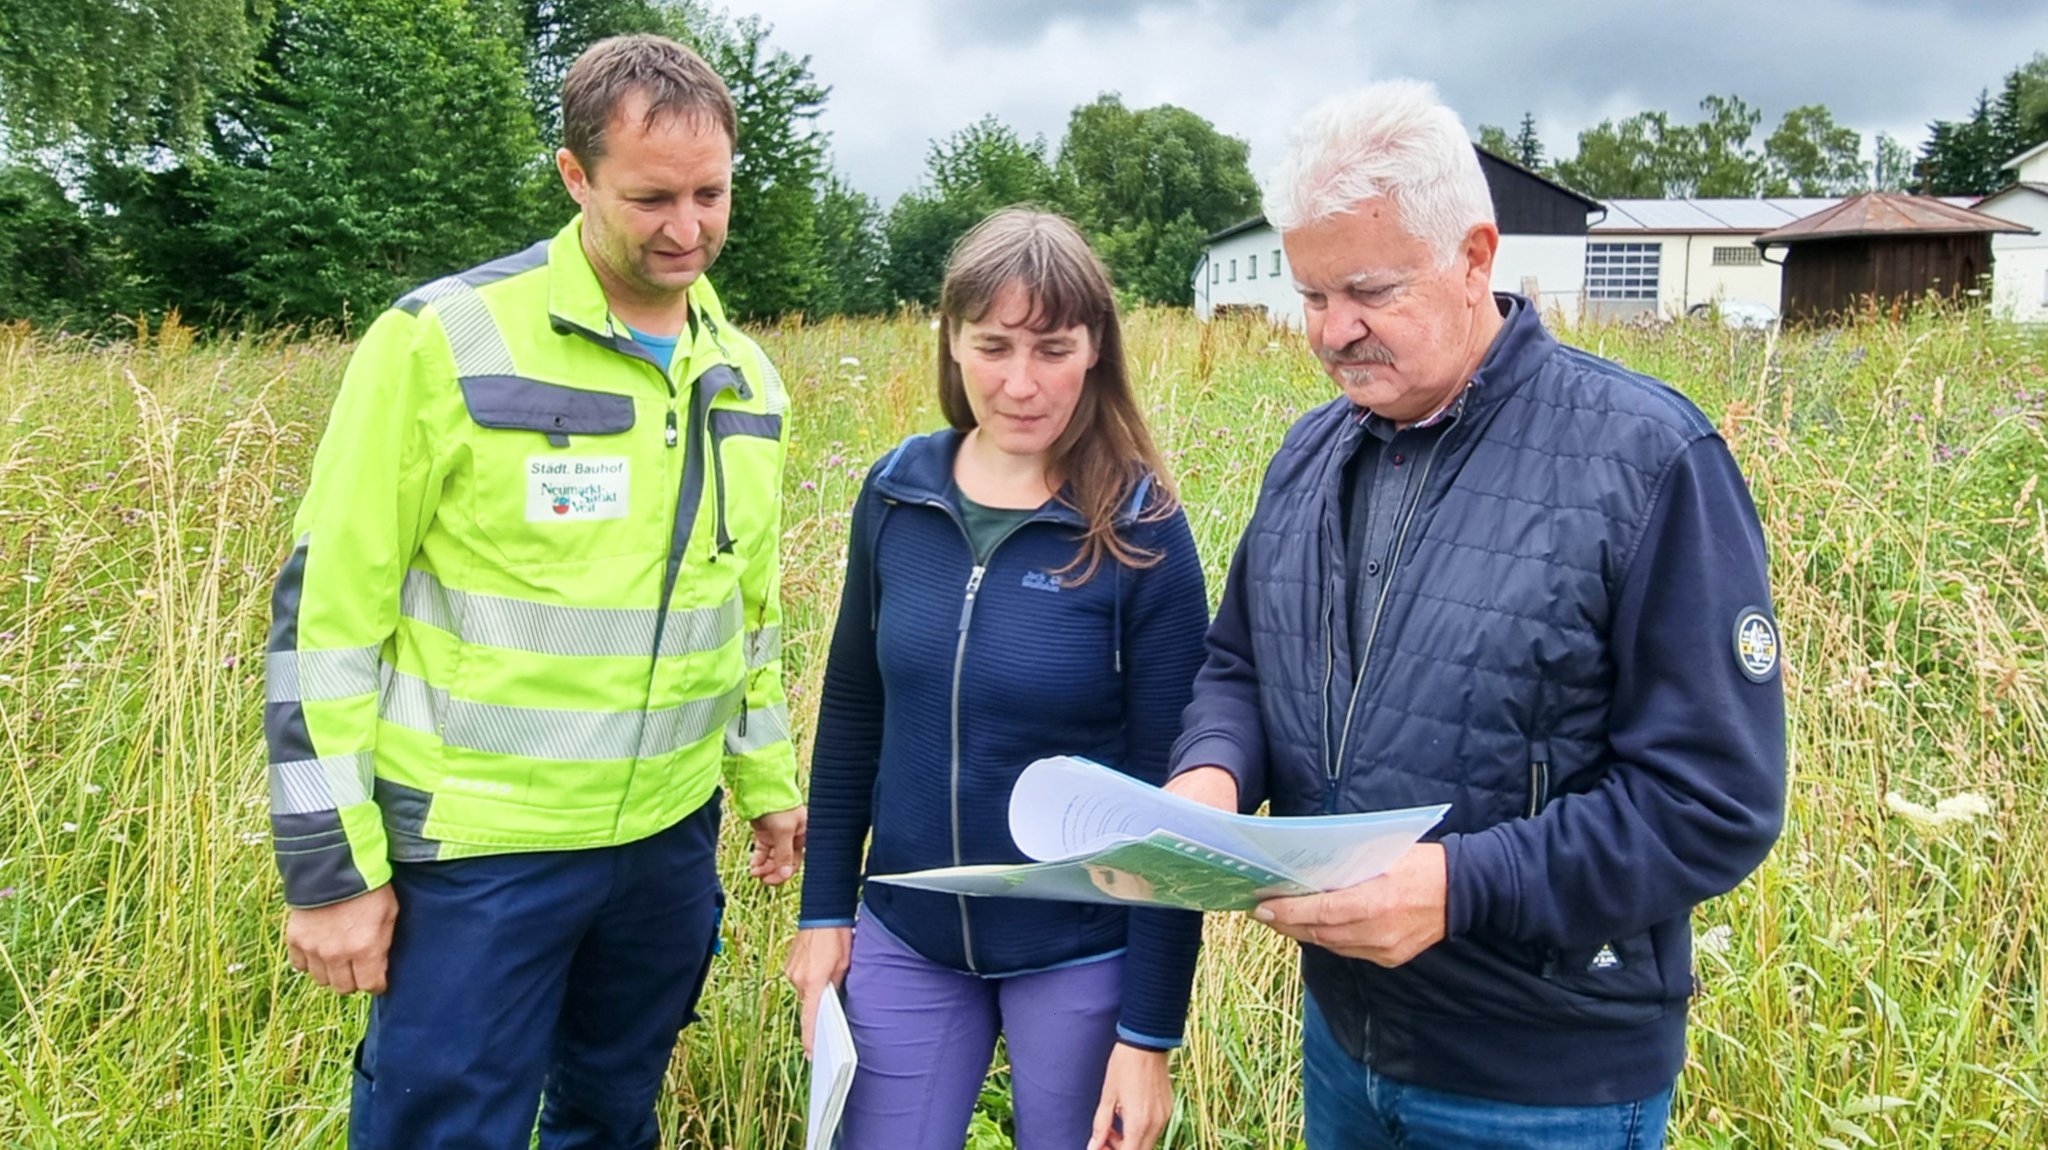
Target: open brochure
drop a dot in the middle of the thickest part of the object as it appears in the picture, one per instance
(1104, 836)
(832, 1065)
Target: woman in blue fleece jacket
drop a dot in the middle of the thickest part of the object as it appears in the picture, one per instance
(1021, 585)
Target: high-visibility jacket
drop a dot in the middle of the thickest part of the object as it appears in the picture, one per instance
(533, 602)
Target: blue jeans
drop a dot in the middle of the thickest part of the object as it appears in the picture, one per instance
(1349, 1107)
(569, 972)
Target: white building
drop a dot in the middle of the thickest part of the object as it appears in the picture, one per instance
(1542, 251)
(2019, 263)
(1666, 257)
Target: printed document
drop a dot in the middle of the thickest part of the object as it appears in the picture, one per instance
(832, 1065)
(1106, 837)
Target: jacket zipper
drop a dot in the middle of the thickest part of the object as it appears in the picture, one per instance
(974, 577)
(1372, 633)
(1539, 776)
(960, 662)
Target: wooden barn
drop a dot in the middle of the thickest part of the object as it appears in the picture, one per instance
(1881, 245)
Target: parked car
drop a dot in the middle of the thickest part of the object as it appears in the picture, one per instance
(1737, 313)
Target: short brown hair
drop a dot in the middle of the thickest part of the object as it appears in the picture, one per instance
(1106, 450)
(676, 80)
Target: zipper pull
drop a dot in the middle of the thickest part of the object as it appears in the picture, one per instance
(973, 586)
(671, 437)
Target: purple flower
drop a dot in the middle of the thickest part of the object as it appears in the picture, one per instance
(807, 485)
(229, 662)
(6, 892)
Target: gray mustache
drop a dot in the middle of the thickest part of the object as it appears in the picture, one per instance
(1357, 354)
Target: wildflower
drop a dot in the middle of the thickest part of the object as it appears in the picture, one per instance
(848, 361)
(93, 788)
(31, 578)
(251, 838)
(237, 967)
(68, 628)
(228, 664)
(69, 828)
(1953, 810)
(7, 892)
(117, 836)
(5, 636)
(1717, 940)
(807, 485)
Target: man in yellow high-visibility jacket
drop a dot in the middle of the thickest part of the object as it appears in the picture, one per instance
(530, 618)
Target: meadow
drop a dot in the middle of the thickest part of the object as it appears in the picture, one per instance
(1879, 982)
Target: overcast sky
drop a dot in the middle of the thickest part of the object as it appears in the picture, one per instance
(904, 72)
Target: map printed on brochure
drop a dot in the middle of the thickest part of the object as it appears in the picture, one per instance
(1103, 836)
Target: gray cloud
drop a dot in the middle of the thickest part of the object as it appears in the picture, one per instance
(906, 71)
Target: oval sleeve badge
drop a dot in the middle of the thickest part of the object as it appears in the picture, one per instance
(1756, 645)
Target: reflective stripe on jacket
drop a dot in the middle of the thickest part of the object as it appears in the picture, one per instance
(533, 602)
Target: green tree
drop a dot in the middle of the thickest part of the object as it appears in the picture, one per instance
(771, 253)
(58, 273)
(852, 253)
(1621, 160)
(1527, 145)
(1811, 155)
(1149, 185)
(387, 148)
(1494, 138)
(118, 72)
(554, 32)
(976, 170)
(1713, 158)
(2032, 99)
(1892, 168)
(1963, 157)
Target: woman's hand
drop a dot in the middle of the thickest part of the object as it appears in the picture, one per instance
(1137, 1089)
(817, 959)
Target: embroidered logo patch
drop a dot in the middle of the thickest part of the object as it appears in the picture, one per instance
(567, 489)
(1606, 959)
(1041, 581)
(1756, 645)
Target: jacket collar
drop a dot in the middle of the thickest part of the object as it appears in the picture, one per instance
(576, 299)
(920, 470)
(1519, 351)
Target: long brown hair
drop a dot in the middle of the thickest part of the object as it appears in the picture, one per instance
(1106, 450)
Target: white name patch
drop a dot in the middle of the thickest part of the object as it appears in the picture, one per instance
(591, 487)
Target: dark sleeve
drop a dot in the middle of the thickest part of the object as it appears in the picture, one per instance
(847, 748)
(1695, 795)
(1222, 727)
(1164, 618)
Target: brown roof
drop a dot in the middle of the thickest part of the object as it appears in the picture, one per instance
(1885, 214)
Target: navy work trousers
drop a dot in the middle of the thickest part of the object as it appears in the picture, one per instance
(568, 972)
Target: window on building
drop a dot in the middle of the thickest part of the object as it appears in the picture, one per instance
(1215, 272)
(1276, 263)
(1747, 255)
(1233, 271)
(1622, 271)
(1251, 267)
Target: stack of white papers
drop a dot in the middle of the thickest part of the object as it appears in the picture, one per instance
(832, 1065)
(1107, 837)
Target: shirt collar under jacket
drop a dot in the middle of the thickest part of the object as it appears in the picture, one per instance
(1517, 315)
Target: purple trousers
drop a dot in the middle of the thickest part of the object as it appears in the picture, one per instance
(925, 1034)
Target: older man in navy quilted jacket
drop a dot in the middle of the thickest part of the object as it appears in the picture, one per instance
(1504, 574)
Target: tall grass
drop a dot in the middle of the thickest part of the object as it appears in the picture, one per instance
(1879, 983)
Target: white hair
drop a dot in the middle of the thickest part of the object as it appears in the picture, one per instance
(1394, 139)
